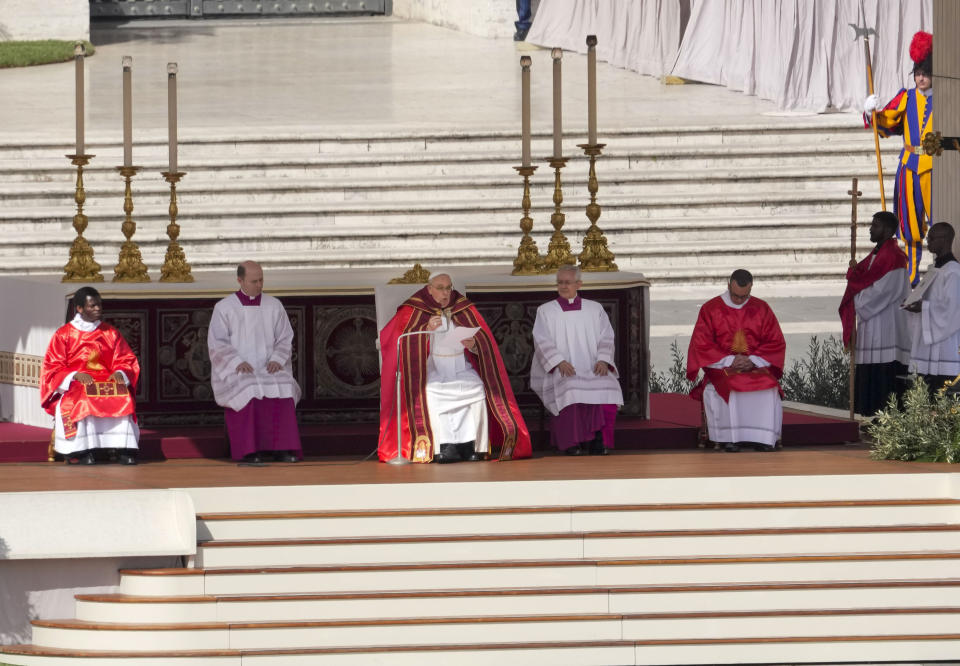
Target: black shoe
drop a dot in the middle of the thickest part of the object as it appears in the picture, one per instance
(468, 453)
(448, 454)
(576, 450)
(127, 459)
(520, 35)
(81, 458)
(253, 459)
(762, 448)
(286, 456)
(597, 448)
(730, 447)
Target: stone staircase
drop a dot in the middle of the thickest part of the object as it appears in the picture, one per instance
(679, 204)
(762, 581)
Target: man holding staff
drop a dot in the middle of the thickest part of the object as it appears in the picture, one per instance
(876, 287)
(910, 114)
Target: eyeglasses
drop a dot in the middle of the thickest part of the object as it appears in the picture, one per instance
(447, 288)
(564, 283)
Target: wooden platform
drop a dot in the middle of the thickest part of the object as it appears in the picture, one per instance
(200, 473)
(674, 424)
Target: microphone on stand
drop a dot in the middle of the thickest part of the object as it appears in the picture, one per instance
(443, 328)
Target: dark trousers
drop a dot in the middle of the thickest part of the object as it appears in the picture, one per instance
(524, 15)
(936, 382)
(873, 383)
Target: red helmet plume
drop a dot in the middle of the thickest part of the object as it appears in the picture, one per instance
(921, 46)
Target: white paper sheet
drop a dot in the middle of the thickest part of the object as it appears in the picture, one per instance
(449, 342)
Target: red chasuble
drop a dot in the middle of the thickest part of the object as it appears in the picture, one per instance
(99, 353)
(888, 258)
(721, 331)
(507, 431)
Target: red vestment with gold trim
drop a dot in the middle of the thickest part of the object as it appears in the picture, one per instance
(507, 430)
(99, 353)
(721, 331)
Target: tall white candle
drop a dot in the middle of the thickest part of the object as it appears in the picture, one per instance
(557, 54)
(78, 53)
(592, 90)
(525, 62)
(127, 63)
(172, 114)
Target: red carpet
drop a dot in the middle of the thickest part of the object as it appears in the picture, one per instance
(674, 424)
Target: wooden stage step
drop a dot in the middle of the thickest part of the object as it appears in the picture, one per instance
(266, 515)
(822, 649)
(622, 599)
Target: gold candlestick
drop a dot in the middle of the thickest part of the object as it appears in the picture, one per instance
(528, 259)
(130, 267)
(595, 255)
(175, 267)
(80, 267)
(558, 252)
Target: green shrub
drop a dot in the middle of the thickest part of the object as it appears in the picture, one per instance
(822, 378)
(674, 380)
(926, 429)
(42, 52)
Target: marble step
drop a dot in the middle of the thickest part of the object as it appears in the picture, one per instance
(463, 163)
(312, 141)
(461, 214)
(235, 193)
(500, 231)
(648, 258)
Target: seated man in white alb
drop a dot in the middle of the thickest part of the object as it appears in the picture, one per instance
(573, 370)
(455, 397)
(738, 344)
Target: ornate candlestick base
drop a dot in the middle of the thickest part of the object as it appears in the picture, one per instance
(528, 259)
(595, 255)
(130, 267)
(80, 267)
(175, 267)
(558, 252)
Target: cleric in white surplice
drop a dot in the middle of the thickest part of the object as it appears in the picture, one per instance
(250, 341)
(573, 370)
(936, 304)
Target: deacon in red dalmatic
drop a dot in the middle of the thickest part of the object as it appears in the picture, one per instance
(738, 345)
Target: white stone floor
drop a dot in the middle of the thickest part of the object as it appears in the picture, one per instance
(346, 75)
(379, 75)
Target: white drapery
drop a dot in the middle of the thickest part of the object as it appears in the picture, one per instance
(800, 54)
(642, 35)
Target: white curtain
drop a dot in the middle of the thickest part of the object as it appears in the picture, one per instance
(800, 54)
(642, 35)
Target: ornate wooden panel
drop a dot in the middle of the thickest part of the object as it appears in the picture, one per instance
(335, 358)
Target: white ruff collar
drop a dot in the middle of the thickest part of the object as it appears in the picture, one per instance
(726, 299)
(82, 324)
